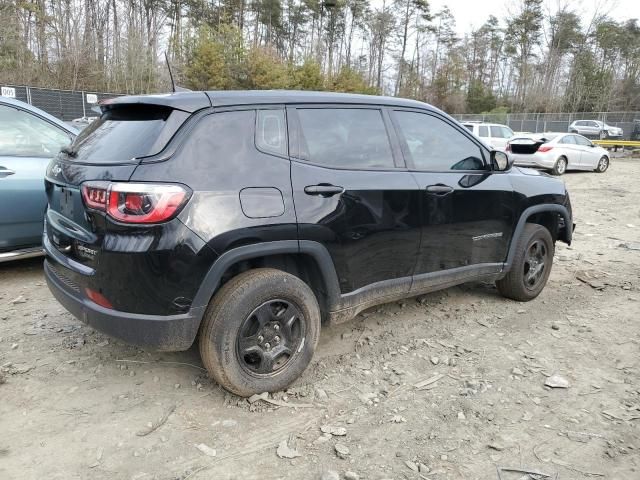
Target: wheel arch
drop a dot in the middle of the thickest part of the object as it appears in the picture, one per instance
(310, 261)
(546, 215)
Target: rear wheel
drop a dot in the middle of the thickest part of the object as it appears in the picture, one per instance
(603, 165)
(260, 332)
(560, 167)
(531, 265)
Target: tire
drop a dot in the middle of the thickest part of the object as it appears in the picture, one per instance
(573, 131)
(603, 134)
(603, 164)
(259, 332)
(521, 283)
(560, 167)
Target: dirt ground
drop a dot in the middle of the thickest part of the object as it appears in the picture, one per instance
(75, 404)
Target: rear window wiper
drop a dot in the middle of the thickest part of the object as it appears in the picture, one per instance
(69, 151)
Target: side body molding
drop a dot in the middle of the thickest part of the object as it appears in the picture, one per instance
(341, 307)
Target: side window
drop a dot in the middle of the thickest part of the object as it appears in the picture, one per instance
(345, 137)
(582, 141)
(433, 144)
(483, 131)
(568, 140)
(24, 134)
(501, 132)
(271, 132)
(469, 127)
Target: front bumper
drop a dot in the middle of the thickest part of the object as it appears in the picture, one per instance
(155, 332)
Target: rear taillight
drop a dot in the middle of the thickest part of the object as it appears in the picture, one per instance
(544, 148)
(95, 194)
(135, 202)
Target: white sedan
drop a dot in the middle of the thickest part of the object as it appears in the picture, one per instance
(558, 152)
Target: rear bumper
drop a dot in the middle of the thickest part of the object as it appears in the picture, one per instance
(155, 332)
(534, 160)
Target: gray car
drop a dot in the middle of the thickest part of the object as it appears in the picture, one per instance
(595, 128)
(29, 138)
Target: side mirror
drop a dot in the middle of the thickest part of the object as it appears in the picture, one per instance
(500, 161)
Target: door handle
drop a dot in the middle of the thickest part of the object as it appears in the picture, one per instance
(323, 190)
(5, 172)
(439, 189)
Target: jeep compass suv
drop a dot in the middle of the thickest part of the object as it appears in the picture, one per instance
(251, 217)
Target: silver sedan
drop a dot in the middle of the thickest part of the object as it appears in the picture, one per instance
(558, 152)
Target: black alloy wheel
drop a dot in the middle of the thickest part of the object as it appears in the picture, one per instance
(534, 264)
(270, 336)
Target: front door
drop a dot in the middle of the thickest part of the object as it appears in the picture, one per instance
(468, 211)
(352, 195)
(589, 156)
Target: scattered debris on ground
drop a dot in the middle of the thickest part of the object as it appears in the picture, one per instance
(458, 384)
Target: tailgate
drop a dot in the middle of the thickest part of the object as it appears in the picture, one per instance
(70, 229)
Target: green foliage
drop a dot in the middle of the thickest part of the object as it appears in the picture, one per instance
(351, 81)
(498, 114)
(479, 98)
(308, 76)
(207, 67)
(266, 70)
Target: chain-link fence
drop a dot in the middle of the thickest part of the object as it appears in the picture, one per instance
(554, 122)
(71, 104)
(66, 105)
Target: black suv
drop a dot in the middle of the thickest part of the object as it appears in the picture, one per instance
(247, 218)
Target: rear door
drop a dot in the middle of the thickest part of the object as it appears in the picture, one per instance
(467, 211)
(571, 150)
(352, 194)
(27, 143)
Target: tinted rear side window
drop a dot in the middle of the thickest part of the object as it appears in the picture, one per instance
(483, 131)
(501, 132)
(271, 132)
(123, 134)
(345, 137)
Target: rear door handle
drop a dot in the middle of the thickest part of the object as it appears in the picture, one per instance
(323, 190)
(5, 172)
(439, 189)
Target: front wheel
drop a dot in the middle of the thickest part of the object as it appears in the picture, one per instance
(560, 167)
(260, 331)
(531, 265)
(603, 134)
(603, 165)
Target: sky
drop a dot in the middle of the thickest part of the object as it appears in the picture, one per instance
(473, 13)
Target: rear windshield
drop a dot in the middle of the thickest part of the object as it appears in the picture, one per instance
(125, 133)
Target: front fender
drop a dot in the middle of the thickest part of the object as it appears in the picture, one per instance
(567, 232)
